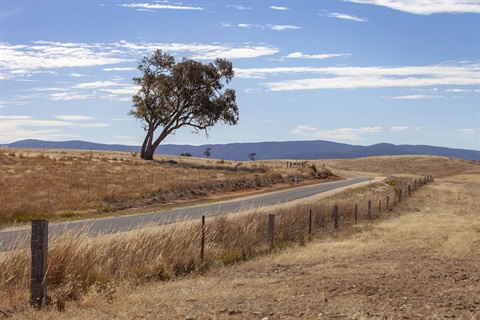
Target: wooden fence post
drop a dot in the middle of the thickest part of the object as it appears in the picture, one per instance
(369, 212)
(271, 229)
(202, 249)
(409, 191)
(335, 217)
(39, 247)
(388, 203)
(400, 196)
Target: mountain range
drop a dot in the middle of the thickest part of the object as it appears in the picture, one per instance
(299, 150)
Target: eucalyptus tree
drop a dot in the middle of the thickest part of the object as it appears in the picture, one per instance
(189, 93)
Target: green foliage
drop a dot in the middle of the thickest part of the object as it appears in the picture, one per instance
(186, 154)
(187, 93)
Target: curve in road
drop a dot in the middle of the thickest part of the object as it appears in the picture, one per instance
(18, 238)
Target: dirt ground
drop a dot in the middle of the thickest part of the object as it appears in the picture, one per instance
(422, 261)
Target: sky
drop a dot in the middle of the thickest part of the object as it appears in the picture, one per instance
(350, 71)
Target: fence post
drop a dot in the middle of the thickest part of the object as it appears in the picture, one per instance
(379, 206)
(335, 217)
(388, 203)
(400, 196)
(202, 249)
(409, 191)
(39, 247)
(369, 212)
(271, 229)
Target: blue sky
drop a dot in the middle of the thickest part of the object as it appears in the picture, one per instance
(352, 71)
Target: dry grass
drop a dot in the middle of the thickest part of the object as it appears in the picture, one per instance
(421, 264)
(58, 184)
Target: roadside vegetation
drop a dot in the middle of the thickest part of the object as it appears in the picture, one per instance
(70, 184)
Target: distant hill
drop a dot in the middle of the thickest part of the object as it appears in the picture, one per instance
(301, 150)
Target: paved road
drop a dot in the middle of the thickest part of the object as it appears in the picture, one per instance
(125, 223)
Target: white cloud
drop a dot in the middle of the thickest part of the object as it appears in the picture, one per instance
(54, 55)
(467, 131)
(96, 84)
(415, 97)
(240, 7)
(303, 130)
(268, 26)
(15, 117)
(279, 8)
(158, 6)
(342, 134)
(367, 77)
(19, 62)
(128, 90)
(345, 17)
(300, 55)
(119, 69)
(77, 75)
(399, 128)
(427, 7)
(17, 127)
(236, 53)
(64, 96)
(73, 118)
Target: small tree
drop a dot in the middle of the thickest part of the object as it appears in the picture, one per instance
(188, 93)
(252, 156)
(207, 152)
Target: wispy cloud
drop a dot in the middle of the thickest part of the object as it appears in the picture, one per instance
(427, 7)
(238, 7)
(415, 97)
(158, 6)
(467, 131)
(17, 127)
(279, 8)
(342, 134)
(119, 69)
(344, 17)
(23, 61)
(269, 26)
(300, 55)
(73, 118)
(367, 77)
(399, 128)
(55, 55)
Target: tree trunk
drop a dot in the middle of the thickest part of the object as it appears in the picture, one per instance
(147, 143)
(144, 146)
(148, 155)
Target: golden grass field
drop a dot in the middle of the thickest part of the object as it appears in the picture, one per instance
(66, 184)
(419, 261)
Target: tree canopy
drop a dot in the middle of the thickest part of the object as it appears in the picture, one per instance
(188, 93)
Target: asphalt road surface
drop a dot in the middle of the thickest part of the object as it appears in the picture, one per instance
(19, 238)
